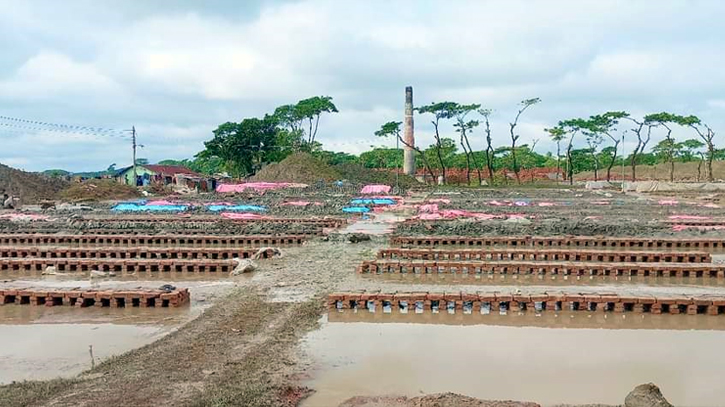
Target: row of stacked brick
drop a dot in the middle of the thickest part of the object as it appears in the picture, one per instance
(484, 303)
(98, 298)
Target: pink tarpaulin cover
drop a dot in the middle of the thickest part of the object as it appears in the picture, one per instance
(301, 203)
(457, 213)
(430, 208)
(375, 189)
(547, 204)
(439, 200)
(161, 202)
(257, 186)
(243, 216)
(668, 202)
(219, 204)
(711, 205)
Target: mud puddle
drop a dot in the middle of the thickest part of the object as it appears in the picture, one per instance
(30, 352)
(521, 362)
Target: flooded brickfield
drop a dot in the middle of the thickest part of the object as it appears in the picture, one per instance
(556, 304)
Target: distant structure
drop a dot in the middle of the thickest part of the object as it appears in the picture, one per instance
(408, 134)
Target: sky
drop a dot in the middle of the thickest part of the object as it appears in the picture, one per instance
(177, 69)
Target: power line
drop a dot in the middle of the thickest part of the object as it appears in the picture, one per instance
(36, 125)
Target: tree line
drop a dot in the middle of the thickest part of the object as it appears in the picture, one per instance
(242, 148)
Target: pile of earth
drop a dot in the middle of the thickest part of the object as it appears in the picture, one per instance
(99, 190)
(29, 187)
(300, 168)
(305, 168)
(358, 174)
(644, 395)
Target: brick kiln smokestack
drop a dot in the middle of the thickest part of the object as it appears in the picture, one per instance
(408, 136)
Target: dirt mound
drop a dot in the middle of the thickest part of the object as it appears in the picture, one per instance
(646, 395)
(432, 400)
(299, 167)
(357, 174)
(29, 187)
(99, 190)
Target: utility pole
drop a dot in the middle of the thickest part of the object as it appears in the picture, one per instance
(133, 142)
(397, 170)
(623, 161)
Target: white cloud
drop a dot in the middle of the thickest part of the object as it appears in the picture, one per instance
(178, 72)
(52, 75)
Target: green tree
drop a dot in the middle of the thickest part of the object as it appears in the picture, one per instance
(691, 149)
(393, 129)
(571, 127)
(706, 134)
(464, 127)
(311, 109)
(336, 158)
(643, 138)
(381, 157)
(604, 125)
(557, 134)
(293, 118)
(490, 151)
(440, 111)
(447, 151)
(244, 146)
(666, 150)
(525, 104)
(594, 140)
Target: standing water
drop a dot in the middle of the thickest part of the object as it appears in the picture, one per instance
(586, 364)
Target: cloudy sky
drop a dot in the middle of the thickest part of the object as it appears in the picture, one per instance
(177, 69)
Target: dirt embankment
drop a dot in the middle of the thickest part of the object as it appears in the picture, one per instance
(432, 400)
(29, 187)
(99, 190)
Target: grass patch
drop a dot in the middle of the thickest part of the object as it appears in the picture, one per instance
(27, 393)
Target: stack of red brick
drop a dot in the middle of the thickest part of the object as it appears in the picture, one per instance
(97, 298)
(531, 302)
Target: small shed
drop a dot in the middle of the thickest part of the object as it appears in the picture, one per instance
(153, 174)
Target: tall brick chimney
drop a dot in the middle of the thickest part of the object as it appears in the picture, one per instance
(408, 134)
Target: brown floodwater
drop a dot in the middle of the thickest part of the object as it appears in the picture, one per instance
(38, 342)
(552, 358)
(41, 351)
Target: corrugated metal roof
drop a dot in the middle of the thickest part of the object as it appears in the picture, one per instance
(169, 169)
